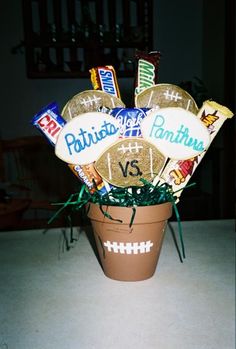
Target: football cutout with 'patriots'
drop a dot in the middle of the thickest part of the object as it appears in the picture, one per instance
(84, 138)
(125, 162)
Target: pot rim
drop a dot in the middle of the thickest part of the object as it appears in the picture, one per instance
(123, 214)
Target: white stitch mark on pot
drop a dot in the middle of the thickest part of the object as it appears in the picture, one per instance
(129, 247)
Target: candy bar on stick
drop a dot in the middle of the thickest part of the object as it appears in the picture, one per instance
(104, 79)
(177, 173)
(147, 70)
(50, 123)
(88, 175)
(89, 101)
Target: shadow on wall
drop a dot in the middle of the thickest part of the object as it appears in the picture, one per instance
(32, 178)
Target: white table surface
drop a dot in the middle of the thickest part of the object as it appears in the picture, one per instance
(50, 299)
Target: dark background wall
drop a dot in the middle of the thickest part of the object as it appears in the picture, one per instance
(177, 34)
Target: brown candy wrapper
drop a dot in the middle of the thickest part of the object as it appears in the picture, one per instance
(177, 173)
(89, 176)
(147, 70)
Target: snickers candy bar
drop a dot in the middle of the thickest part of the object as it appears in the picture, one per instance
(104, 79)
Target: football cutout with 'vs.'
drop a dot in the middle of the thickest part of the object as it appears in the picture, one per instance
(127, 161)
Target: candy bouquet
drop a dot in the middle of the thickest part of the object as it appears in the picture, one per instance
(133, 163)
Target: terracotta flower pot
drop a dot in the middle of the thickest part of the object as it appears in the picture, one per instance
(129, 253)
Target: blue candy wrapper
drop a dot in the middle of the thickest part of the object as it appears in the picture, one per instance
(129, 120)
(49, 122)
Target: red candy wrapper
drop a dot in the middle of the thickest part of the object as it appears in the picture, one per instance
(49, 122)
(104, 79)
(147, 70)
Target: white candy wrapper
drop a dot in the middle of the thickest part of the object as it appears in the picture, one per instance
(177, 173)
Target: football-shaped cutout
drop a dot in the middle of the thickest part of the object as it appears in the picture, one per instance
(89, 101)
(166, 95)
(176, 132)
(84, 138)
(125, 162)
